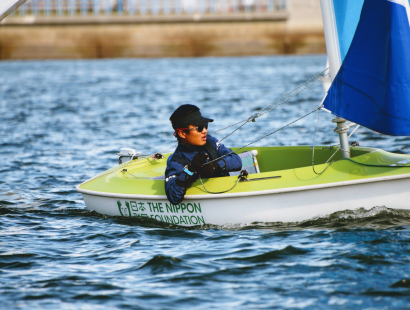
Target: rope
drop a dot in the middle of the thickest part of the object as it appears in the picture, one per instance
(125, 170)
(357, 127)
(234, 131)
(310, 85)
(265, 136)
(259, 114)
(236, 183)
(338, 148)
(249, 119)
(253, 116)
(313, 148)
(296, 89)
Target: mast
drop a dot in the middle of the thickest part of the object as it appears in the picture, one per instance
(8, 6)
(333, 54)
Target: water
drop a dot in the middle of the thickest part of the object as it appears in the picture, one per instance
(62, 122)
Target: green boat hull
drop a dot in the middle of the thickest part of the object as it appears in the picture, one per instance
(286, 189)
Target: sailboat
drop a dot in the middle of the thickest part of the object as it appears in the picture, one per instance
(368, 47)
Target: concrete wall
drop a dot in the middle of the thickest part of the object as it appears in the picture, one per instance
(305, 15)
(300, 31)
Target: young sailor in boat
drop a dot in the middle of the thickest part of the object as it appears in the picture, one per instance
(195, 148)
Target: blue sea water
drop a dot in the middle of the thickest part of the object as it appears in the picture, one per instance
(62, 122)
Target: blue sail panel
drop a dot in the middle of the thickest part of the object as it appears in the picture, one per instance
(347, 14)
(372, 87)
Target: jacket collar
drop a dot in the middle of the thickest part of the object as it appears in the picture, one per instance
(186, 148)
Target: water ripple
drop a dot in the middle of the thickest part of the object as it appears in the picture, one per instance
(62, 122)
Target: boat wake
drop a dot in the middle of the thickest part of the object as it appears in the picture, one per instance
(378, 217)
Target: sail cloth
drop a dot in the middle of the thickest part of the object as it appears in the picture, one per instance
(372, 87)
(347, 15)
(8, 6)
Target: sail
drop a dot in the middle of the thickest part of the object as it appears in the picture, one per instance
(347, 14)
(8, 6)
(372, 87)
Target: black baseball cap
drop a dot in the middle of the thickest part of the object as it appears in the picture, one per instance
(188, 114)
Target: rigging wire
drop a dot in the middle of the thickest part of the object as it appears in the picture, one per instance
(313, 147)
(265, 136)
(338, 148)
(297, 88)
(259, 113)
(254, 116)
(140, 161)
(357, 127)
(310, 85)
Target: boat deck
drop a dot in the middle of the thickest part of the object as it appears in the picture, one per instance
(281, 168)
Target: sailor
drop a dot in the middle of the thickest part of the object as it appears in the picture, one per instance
(195, 153)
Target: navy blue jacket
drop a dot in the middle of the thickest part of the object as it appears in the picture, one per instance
(175, 193)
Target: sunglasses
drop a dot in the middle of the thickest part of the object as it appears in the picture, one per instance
(199, 128)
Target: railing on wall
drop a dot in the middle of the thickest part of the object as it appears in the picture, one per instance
(147, 7)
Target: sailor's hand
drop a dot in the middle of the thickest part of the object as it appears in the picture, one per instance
(197, 162)
(209, 169)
